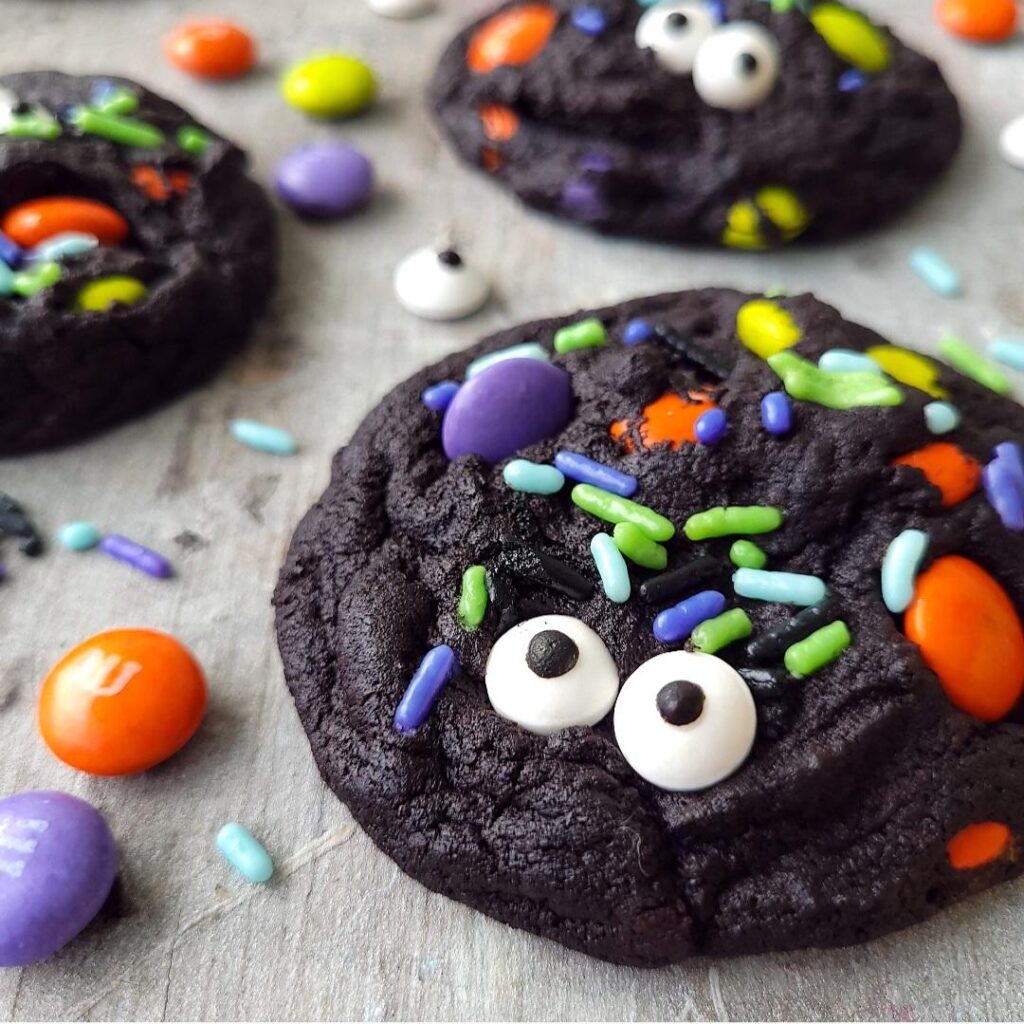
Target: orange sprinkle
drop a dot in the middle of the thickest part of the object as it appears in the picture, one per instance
(978, 844)
(499, 122)
(181, 181)
(948, 468)
(490, 159)
(514, 36)
(981, 21)
(670, 419)
(147, 179)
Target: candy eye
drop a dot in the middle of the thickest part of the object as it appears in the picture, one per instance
(685, 721)
(737, 66)
(439, 285)
(675, 32)
(551, 673)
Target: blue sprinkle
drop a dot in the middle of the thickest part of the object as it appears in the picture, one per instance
(611, 567)
(1004, 494)
(711, 426)
(1010, 452)
(439, 396)
(781, 587)
(263, 438)
(587, 471)
(851, 80)
(532, 477)
(59, 247)
(935, 272)
(941, 417)
(528, 350)
(146, 560)
(6, 279)
(78, 536)
(438, 666)
(844, 360)
(589, 20)
(777, 413)
(245, 853)
(1008, 351)
(595, 160)
(718, 12)
(678, 622)
(900, 566)
(10, 252)
(637, 331)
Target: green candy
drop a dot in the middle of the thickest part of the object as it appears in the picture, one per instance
(805, 381)
(193, 139)
(586, 334)
(747, 555)
(714, 634)
(118, 129)
(42, 275)
(119, 101)
(724, 522)
(36, 125)
(638, 547)
(821, 648)
(614, 509)
(962, 357)
(473, 600)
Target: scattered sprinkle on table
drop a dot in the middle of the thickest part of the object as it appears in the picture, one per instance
(211, 49)
(1009, 351)
(245, 853)
(262, 437)
(939, 275)
(78, 536)
(330, 85)
(142, 558)
(962, 357)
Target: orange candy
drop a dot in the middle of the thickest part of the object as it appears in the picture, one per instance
(978, 844)
(211, 49)
(670, 419)
(970, 636)
(981, 21)
(514, 36)
(951, 470)
(122, 702)
(499, 122)
(30, 223)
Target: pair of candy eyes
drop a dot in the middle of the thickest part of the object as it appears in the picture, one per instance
(734, 66)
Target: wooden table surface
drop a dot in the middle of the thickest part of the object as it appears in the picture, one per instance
(341, 932)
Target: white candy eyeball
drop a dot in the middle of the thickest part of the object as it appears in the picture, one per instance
(737, 66)
(685, 721)
(400, 8)
(439, 285)
(674, 31)
(551, 673)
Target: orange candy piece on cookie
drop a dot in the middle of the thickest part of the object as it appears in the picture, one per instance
(670, 419)
(947, 467)
(515, 36)
(980, 21)
(211, 49)
(979, 844)
(500, 123)
(34, 221)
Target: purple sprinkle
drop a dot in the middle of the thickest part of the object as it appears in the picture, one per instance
(777, 413)
(1004, 494)
(595, 160)
(851, 80)
(125, 550)
(438, 666)
(718, 12)
(637, 331)
(10, 252)
(589, 20)
(587, 471)
(711, 426)
(1009, 452)
(678, 622)
(582, 199)
(438, 396)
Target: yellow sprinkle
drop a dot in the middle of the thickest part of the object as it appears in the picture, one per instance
(783, 208)
(852, 36)
(910, 368)
(766, 328)
(100, 295)
(743, 227)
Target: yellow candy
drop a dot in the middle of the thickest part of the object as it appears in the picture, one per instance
(331, 85)
(851, 36)
(98, 296)
(910, 368)
(766, 328)
(743, 227)
(780, 206)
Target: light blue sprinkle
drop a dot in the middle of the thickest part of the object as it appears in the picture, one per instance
(78, 536)
(844, 360)
(263, 438)
(900, 565)
(532, 477)
(68, 243)
(528, 350)
(244, 853)
(611, 567)
(6, 279)
(935, 272)
(941, 417)
(1009, 351)
(782, 587)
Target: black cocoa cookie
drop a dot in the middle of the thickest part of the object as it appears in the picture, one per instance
(736, 122)
(807, 580)
(91, 334)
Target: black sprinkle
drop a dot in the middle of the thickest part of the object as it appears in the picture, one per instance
(15, 523)
(766, 684)
(450, 258)
(771, 645)
(692, 351)
(551, 654)
(529, 563)
(502, 598)
(680, 702)
(680, 582)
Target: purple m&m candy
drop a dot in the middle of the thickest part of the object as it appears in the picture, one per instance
(507, 407)
(57, 864)
(325, 179)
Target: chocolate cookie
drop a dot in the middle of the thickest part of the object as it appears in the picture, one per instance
(727, 121)
(135, 254)
(690, 625)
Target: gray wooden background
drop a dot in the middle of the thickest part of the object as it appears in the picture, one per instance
(340, 932)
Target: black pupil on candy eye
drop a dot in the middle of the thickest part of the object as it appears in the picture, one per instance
(681, 702)
(551, 654)
(676, 21)
(747, 63)
(450, 258)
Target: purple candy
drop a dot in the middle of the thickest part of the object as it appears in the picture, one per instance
(439, 664)
(1010, 453)
(711, 426)
(325, 179)
(582, 199)
(57, 865)
(125, 550)
(678, 622)
(1004, 493)
(591, 21)
(439, 396)
(507, 407)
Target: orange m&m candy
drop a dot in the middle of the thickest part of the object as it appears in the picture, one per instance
(978, 844)
(952, 471)
(970, 636)
(981, 21)
(211, 49)
(122, 702)
(670, 420)
(34, 221)
(515, 36)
